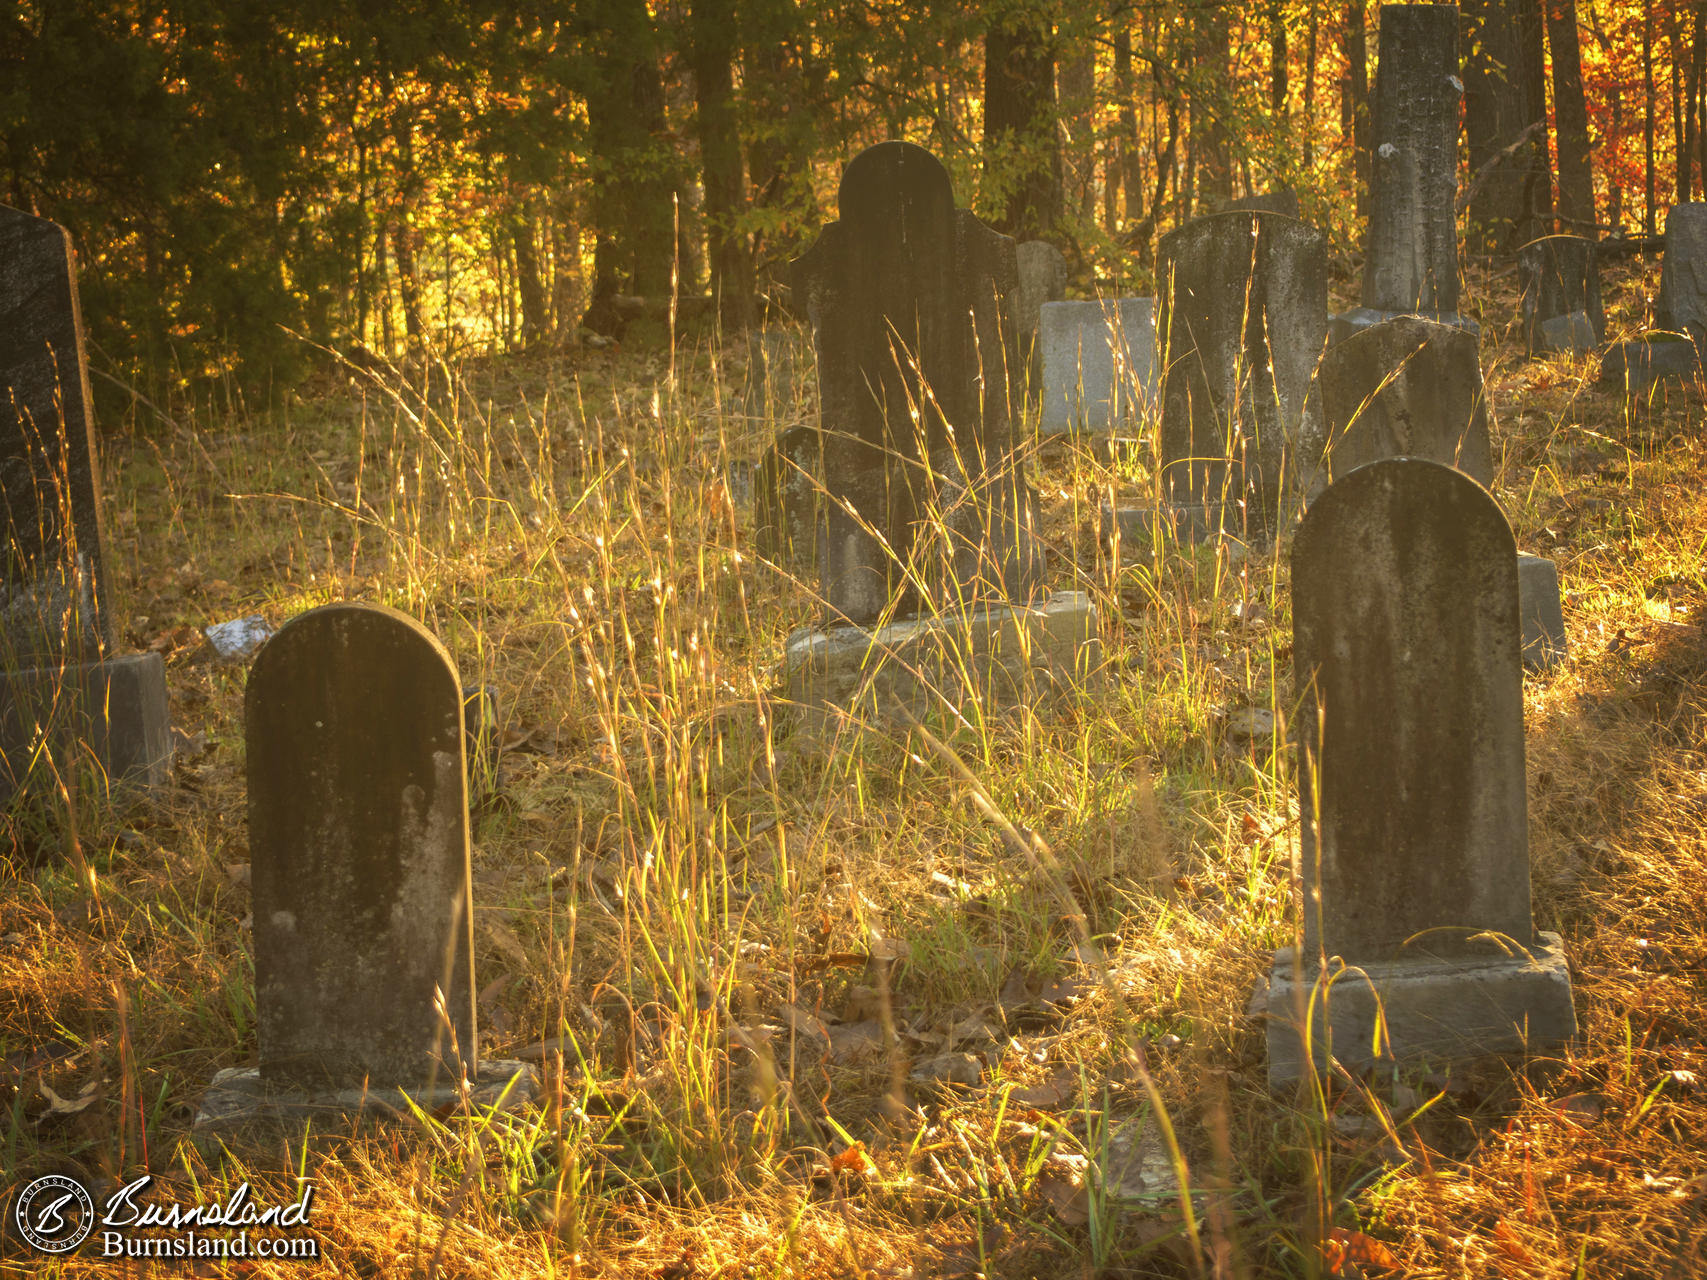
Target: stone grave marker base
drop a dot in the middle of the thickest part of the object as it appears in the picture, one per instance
(1538, 605)
(1346, 323)
(240, 1102)
(117, 708)
(1000, 654)
(1572, 333)
(1436, 1010)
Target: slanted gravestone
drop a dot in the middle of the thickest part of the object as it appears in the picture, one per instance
(1414, 849)
(1411, 259)
(64, 679)
(359, 869)
(1042, 279)
(1682, 304)
(1244, 312)
(1413, 388)
(1099, 364)
(1561, 307)
(906, 296)
(1410, 387)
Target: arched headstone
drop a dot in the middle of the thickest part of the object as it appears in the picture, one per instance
(1414, 848)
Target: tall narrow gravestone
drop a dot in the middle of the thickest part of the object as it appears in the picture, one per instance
(1099, 364)
(926, 514)
(1415, 853)
(1561, 307)
(1682, 304)
(1041, 279)
(1411, 259)
(61, 676)
(359, 848)
(1413, 388)
(1244, 311)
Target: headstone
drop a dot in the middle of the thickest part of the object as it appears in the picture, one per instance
(1414, 851)
(788, 497)
(359, 853)
(1643, 364)
(1562, 311)
(1682, 304)
(1409, 387)
(1099, 364)
(1411, 259)
(1243, 318)
(906, 295)
(64, 677)
(1042, 279)
(779, 360)
(1282, 200)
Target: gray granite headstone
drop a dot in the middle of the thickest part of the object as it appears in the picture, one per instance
(916, 365)
(1414, 849)
(1099, 363)
(1410, 387)
(1561, 306)
(358, 838)
(1243, 316)
(1682, 304)
(63, 678)
(1281, 200)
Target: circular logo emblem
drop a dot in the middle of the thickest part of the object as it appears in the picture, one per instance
(55, 1213)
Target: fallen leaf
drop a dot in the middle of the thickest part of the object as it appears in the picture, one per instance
(855, 1041)
(1063, 1185)
(949, 1068)
(1508, 1243)
(1056, 1091)
(58, 1106)
(1343, 1249)
(854, 1162)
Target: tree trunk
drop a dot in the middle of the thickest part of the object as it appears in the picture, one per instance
(1648, 117)
(1277, 85)
(1674, 38)
(1570, 116)
(1692, 124)
(536, 310)
(732, 281)
(1075, 82)
(1123, 157)
(408, 279)
(1209, 108)
(1022, 156)
(1308, 133)
(1354, 100)
(1505, 94)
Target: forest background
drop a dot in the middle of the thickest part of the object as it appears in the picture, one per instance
(488, 175)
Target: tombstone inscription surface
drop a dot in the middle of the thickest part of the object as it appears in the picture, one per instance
(358, 829)
(1099, 363)
(1561, 305)
(1682, 304)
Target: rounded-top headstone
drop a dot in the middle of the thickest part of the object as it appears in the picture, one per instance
(358, 835)
(1682, 303)
(1410, 729)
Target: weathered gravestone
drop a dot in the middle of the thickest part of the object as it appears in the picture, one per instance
(1561, 307)
(788, 497)
(1673, 349)
(359, 869)
(1099, 364)
(1414, 853)
(1413, 388)
(1682, 304)
(63, 679)
(1244, 311)
(1406, 387)
(926, 511)
(1042, 279)
(1411, 260)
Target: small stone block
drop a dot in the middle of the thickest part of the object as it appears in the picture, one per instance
(1544, 644)
(1184, 522)
(1098, 362)
(1639, 366)
(239, 1101)
(1435, 1010)
(117, 708)
(1001, 654)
